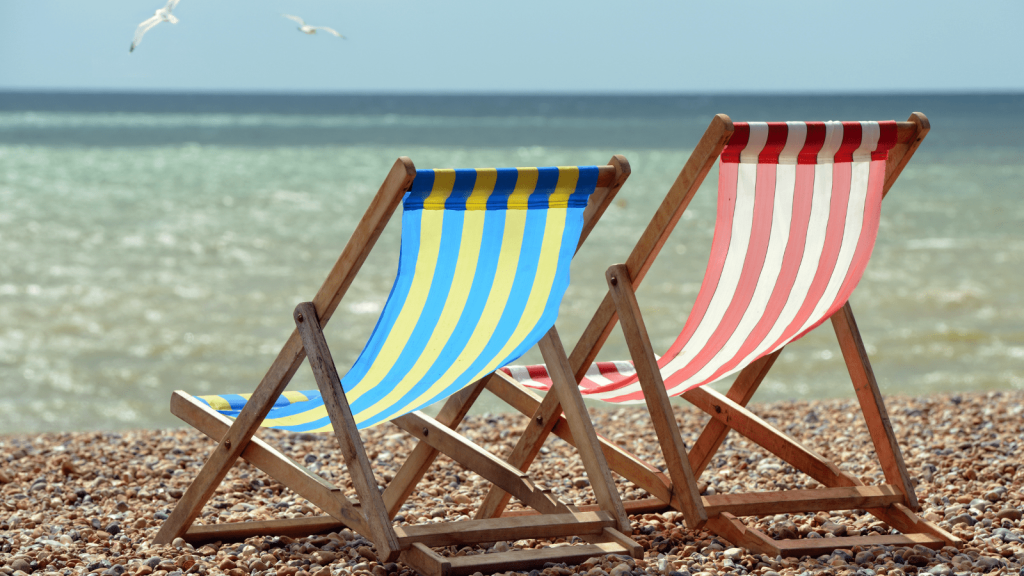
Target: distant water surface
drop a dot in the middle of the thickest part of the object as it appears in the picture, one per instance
(158, 242)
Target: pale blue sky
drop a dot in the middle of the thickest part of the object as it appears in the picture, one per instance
(523, 46)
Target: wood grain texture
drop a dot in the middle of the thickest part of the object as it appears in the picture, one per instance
(288, 360)
(658, 405)
(475, 458)
(240, 531)
(632, 548)
(378, 522)
(425, 561)
(564, 384)
(729, 527)
(603, 195)
(798, 501)
(872, 405)
(910, 134)
(528, 559)
(470, 532)
(819, 546)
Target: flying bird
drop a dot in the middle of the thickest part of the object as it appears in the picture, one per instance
(161, 15)
(307, 29)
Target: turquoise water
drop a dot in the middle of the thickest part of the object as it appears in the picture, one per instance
(149, 244)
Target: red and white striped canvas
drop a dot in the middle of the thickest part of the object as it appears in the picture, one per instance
(798, 211)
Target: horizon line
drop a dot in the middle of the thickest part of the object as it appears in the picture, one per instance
(426, 93)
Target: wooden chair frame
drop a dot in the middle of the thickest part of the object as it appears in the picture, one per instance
(894, 503)
(605, 527)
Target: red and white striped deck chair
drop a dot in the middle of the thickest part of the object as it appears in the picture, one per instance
(798, 213)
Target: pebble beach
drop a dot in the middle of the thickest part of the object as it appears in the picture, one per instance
(82, 503)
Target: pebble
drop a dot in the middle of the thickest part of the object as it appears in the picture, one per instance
(620, 570)
(988, 563)
(864, 557)
(500, 547)
(962, 519)
(1009, 514)
(974, 487)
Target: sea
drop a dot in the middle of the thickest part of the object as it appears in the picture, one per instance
(154, 242)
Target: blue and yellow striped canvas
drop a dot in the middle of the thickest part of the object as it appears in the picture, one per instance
(483, 268)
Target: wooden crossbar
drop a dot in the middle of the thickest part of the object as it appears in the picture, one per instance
(526, 560)
(495, 529)
(479, 460)
(818, 546)
(238, 531)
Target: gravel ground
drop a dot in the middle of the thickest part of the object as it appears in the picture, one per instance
(89, 502)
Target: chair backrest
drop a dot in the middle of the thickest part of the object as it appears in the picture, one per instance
(483, 268)
(798, 213)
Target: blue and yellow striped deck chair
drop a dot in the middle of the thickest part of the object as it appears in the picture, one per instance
(484, 265)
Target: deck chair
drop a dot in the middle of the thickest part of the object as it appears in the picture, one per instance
(798, 213)
(483, 268)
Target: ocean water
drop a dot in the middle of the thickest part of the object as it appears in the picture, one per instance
(158, 242)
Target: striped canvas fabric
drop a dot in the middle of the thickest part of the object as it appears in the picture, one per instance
(483, 268)
(798, 212)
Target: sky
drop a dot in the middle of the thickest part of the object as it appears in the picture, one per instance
(527, 46)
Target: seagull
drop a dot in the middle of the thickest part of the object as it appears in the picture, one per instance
(161, 15)
(306, 28)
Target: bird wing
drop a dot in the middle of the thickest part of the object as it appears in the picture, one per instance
(142, 29)
(329, 30)
(171, 5)
(295, 18)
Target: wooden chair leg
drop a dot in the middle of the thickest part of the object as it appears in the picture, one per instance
(229, 449)
(564, 384)
(327, 379)
(683, 480)
(872, 404)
